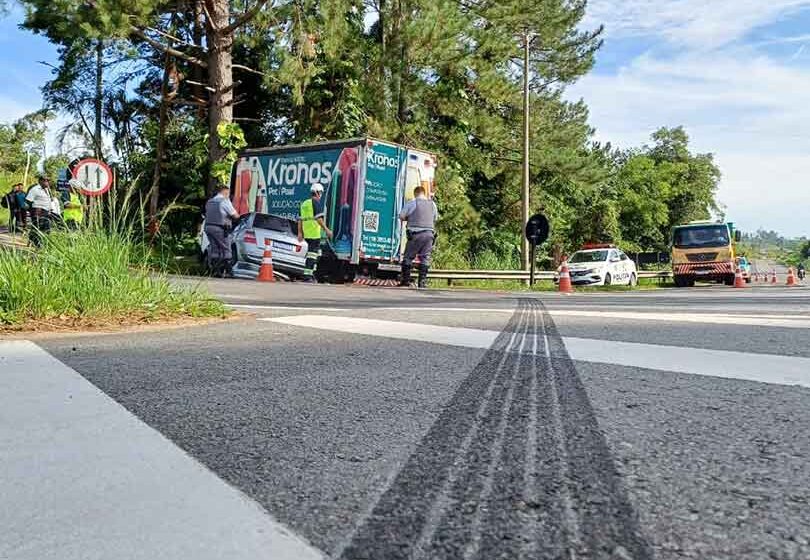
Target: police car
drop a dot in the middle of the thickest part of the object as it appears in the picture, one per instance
(600, 265)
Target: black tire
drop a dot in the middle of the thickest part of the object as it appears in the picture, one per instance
(608, 279)
(729, 280)
(234, 255)
(681, 281)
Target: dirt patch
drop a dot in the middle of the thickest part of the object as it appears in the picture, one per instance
(56, 327)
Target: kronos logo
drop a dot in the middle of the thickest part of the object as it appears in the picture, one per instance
(382, 160)
(301, 173)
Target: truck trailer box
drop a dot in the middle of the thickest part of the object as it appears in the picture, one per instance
(366, 182)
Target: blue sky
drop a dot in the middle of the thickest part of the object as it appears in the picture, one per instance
(735, 73)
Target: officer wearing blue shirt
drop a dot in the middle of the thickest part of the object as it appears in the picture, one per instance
(419, 215)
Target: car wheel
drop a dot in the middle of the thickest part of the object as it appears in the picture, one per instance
(608, 279)
(234, 255)
(633, 280)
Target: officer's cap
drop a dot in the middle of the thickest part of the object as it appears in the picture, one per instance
(316, 188)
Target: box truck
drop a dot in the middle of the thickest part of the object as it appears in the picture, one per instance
(366, 182)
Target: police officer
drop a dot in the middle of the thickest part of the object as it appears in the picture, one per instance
(310, 224)
(420, 215)
(219, 213)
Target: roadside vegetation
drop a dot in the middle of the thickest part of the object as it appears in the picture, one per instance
(106, 274)
(311, 71)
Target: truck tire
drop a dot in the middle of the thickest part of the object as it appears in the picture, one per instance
(681, 281)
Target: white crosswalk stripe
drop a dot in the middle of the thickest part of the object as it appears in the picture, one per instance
(82, 478)
(764, 368)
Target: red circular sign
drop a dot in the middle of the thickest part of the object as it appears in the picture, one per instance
(93, 177)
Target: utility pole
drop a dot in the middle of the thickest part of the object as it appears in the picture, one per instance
(524, 252)
(99, 94)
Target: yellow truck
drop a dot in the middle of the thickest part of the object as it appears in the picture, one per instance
(704, 251)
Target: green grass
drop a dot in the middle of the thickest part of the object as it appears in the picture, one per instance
(544, 286)
(92, 276)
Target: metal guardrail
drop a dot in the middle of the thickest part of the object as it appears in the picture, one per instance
(451, 275)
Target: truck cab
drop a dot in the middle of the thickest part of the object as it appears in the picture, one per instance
(703, 251)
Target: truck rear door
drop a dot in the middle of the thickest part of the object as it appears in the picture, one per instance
(383, 187)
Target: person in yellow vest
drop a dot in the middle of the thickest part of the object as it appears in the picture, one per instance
(74, 210)
(310, 225)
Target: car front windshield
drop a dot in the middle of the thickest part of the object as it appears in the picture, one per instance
(705, 236)
(588, 257)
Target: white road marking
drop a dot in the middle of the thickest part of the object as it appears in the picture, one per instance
(290, 307)
(765, 368)
(786, 321)
(713, 318)
(451, 336)
(82, 478)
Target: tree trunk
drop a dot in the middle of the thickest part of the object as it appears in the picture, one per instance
(154, 193)
(220, 79)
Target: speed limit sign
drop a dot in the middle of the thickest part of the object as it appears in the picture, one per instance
(92, 177)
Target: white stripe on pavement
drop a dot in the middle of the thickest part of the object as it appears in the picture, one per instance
(451, 336)
(710, 318)
(786, 321)
(765, 368)
(82, 478)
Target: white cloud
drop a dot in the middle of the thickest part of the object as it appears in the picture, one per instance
(696, 23)
(751, 110)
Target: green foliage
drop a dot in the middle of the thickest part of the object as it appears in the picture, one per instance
(441, 75)
(91, 275)
(26, 135)
(232, 140)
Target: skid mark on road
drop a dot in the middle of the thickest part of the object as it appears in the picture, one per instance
(515, 467)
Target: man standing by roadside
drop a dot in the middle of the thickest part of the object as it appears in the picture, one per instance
(420, 215)
(74, 210)
(219, 216)
(21, 207)
(310, 224)
(40, 199)
(9, 201)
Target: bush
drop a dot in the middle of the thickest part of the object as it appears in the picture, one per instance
(92, 275)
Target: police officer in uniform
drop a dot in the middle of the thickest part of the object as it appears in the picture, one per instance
(219, 213)
(420, 215)
(310, 224)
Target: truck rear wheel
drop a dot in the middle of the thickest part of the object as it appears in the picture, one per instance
(681, 281)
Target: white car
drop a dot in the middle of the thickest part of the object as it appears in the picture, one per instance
(249, 235)
(600, 265)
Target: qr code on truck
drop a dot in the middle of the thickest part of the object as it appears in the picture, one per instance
(371, 221)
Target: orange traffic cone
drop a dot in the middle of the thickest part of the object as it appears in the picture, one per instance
(773, 277)
(791, 279)
(739, 281)
(565, 279)
(266, 269)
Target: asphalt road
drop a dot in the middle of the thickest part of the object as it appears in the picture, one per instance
(388, 423)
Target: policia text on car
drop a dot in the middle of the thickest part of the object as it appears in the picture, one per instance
(219, 213)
